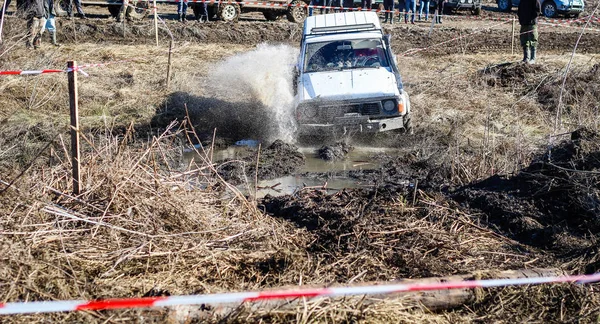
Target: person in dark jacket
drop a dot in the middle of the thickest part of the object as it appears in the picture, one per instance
(49, 21)
(388, 5)
(77, 7)
(34, 12)
(528, 12)
(348, 5)
(439, 10)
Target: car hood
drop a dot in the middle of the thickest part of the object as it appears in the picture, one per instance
(348, 84)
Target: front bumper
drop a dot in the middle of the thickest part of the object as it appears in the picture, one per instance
(461, 5)
(347, 124)
(570, 10)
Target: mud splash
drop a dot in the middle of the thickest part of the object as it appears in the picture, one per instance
(266, 75)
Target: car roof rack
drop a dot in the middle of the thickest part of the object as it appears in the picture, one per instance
(342, 29)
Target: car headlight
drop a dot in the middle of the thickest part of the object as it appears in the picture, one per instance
(389, 106)
(310, 111)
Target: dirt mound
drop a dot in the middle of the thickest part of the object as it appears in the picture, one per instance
(277, 160)
(554, 203)
(337, 151)
(377, 233)
(512, 74)
(582, 90)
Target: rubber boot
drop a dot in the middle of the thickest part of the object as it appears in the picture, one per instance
(525, 54)
(54, 42)
(532, 57)
(183, 18)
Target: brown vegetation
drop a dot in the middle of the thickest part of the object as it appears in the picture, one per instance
(484, 191)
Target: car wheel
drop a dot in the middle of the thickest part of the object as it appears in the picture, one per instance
(504, 5)
(296, 11)
(229, 11)
(549, 9)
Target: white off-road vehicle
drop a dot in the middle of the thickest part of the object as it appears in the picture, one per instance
(347, 79)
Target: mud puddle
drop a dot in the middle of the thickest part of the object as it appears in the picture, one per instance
(309, 175)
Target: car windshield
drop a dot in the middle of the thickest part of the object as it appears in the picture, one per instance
(347, 54)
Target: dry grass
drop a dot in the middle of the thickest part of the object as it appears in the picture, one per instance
(148, 224)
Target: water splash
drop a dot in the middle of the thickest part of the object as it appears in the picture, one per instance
(264, 74)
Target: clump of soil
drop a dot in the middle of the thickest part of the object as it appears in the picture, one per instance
(337, 151)
(554, 203)
(582, 90)
(377, 232)
(277, 160)
(512, 74)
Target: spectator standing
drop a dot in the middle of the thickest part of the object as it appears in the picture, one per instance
(77, 7)
(125, 11)
(49, 22)
(182, 6)
(388, 5)
(528, 12)
(348, 5)
(336, 5)
(439, 11)
(424, 4)
(327, 4)
(204, 12)
(411, 6)
(34, 10)
(366, 4)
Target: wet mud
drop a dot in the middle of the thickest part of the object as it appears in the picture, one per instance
(404, 38)
(554, 203)
(337, 151)
(276, 160)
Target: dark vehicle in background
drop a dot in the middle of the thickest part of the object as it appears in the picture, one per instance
(452, 6)
(550, 8)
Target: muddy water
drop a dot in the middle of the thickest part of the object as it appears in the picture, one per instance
(316, 172)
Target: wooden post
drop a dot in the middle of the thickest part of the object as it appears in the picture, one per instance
(512, 41)
(169, 64)
(155, 21)
(73, 104)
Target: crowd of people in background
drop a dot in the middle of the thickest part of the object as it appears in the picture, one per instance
(409, 7)
(40, 15)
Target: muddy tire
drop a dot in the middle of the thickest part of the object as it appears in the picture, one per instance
(229, 12)
(505, 5)
(296, 12)
(408, 126)
(114, 11)
(549, 9)
(271, 15)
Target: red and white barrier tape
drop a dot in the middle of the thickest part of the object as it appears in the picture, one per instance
(241, 297)
(77, 68)
(31, 72)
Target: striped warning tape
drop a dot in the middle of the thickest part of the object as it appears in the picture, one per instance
(241, 297)
(31, 72)
(79, 68)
